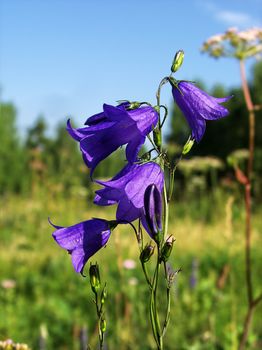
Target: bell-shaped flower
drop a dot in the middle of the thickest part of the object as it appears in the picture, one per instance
(127, 189)
(114, 127)
(152, 218)
(83, 239)
(197, 106)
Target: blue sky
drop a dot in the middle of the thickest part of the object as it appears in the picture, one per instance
(65, 58)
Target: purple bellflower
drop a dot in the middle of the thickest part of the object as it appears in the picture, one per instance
(83, 239)
(114, 127)
(127, 189)
(197, 106)
(152, 219)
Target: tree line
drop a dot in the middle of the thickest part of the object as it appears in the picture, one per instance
(39, 160)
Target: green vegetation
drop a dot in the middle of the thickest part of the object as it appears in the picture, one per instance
(43, 300)
(43, 291)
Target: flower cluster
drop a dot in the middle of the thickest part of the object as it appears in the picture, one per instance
(126, 124)
(137, 188)
(10, 345)
(234, 43)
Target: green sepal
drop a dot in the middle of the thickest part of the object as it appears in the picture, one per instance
(112, 224)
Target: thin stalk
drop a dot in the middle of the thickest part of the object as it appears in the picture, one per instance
(248, 231)
(171, 184)
(166, 211)
(146, 275)
(99, 315)
(162, 82)
(165, 116)
(167, 318)
(159, 331)
(153, 309)
(153, 143)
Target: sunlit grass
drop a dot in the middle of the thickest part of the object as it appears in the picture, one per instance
(48, 292)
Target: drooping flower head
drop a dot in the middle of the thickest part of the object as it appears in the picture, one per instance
(83, 239)
(127, 189)
(197, 106)
(114, 127)
(152, 218)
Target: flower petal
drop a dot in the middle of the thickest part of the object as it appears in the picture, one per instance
(83, 240)
(133, 148)
(128, 189)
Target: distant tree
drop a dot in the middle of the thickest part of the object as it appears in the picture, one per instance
(67, 165)
(37, 145)
(12, 154)
(227, 134)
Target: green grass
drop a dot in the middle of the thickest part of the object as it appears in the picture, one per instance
(49, 295)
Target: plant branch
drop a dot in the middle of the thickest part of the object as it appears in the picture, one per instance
(252, 303)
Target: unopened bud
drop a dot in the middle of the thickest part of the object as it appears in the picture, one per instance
(167, 249)
(146, 253)
(94, 277)
(187, 146)
(104, 295)
(178, 61)
(103, 325)
(153, 212)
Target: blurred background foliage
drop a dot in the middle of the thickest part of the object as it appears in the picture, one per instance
(45, 304)
(41, 159)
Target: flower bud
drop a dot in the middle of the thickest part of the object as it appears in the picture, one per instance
(153, 211)
(177, 61)
(94, 277)
(187, 146)
(146, 253)
(104, 295)
(167, 249)
(103, 325)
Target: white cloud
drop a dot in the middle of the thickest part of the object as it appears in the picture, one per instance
(233, 18)
(228, 17)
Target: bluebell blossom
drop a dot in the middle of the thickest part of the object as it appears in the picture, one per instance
(127, 189)
(197, 106)
(84, 239)
(114, 127)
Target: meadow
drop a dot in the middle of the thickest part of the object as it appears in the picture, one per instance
(45, 304)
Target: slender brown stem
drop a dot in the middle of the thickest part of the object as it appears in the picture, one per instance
(245, 87)
(246, 327)
(248, 244)
(252, 303)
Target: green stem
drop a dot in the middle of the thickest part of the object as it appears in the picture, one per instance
(248, 234)
(153, 305)
(167, 318)
(146, 275)
(166, 211)
(99, 315)
(153, 143)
